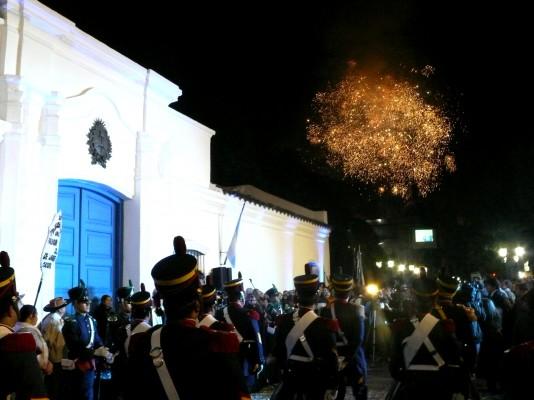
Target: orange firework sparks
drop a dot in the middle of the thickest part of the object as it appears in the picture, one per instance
(382, 132)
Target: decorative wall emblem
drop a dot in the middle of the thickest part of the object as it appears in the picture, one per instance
(99, 143)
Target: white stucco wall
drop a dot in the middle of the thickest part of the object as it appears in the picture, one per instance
(54, 82)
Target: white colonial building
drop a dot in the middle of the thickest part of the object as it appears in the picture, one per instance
(120, 215)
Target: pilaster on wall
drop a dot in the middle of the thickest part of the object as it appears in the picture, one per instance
(11, 94)
(146, 172)
(11, 111)
(46, 187)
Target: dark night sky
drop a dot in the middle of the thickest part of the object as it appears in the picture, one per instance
(249, 71)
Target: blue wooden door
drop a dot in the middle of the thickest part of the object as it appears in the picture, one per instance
(97, 244)
(68, 261)
(88, 248)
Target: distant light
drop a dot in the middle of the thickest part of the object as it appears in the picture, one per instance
(526, 267)
(378, 264)
(381, 243)
(372, 289)
(519, 251)
(503, 252)
(411, 267)
(417, 270)
(379, 220)
(391, 264)
(521, 274)
(402, 267)
(516, 258)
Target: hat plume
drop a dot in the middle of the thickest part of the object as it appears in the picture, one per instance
(179, 245)
(4, 259)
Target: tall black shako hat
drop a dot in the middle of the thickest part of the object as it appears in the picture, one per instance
(124, 292)
(306, 285)
(425, 288)
(79, 293)
(141, 299)
(342, 284)
(447, 286)
(209, 295)
(234, 288)
(177, 275)
(8, 287)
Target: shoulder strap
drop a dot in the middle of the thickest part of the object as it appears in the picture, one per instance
(140, 327)
(229, 320)
(413, 343)
(340, 333)
(156, 353)
(92, 327)
(297, 333)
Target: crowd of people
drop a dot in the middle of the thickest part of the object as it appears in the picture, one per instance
(190, 340)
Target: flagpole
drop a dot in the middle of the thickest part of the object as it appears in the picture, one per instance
(220, 240)
(235, 232)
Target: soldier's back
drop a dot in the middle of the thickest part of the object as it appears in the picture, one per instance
(201, 362)
(19, 369)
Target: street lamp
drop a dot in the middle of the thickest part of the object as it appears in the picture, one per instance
(402, 267)
(378, 264)
(391, 264)
(503, 252)
(519, 251)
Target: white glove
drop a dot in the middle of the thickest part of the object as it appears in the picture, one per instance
(330, 394)
(102, 352)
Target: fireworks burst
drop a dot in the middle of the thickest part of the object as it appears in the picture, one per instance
(382, 132)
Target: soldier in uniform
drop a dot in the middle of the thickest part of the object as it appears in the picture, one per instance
(246, 323)
(19, 371)
(349, 337)
(464, 318)
(305, 348)
(425, 357)
(177, 359)
(84, 344)
(124, 312)
(141, 309)
(206, 318)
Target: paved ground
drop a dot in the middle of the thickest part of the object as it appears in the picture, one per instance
(378, 383)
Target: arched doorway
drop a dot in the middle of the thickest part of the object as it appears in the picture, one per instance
(91, 242)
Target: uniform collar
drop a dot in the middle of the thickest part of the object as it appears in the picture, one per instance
(188, 322)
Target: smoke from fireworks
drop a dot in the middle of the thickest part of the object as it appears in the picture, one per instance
(382, 131)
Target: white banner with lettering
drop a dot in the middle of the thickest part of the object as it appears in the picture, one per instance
(51, 246)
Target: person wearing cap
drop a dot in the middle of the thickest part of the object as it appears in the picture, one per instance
(51, 327)
(350, 327)
(247, 328)
(305, 348)
(19, 370)
(464, 318)
(206, 317)
(141, 309)
(425, 359)
(83, 343)
(181, 359)
(124, 312)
